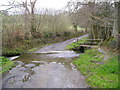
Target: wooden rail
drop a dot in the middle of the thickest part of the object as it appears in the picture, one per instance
(88, 46)
(88, 43)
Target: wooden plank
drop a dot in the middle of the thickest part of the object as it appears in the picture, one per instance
(99, 41)
(91, 42)
(91, 39)
(88, 46)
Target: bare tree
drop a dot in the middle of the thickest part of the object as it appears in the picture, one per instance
(30, 12)
(33, 28)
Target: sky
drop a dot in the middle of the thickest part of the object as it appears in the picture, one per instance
(40, 4)
(51, 4)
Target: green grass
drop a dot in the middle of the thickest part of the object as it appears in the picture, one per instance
(79, 28)
(33, 49)
(75, 44)
(31, 45)
(5, 64)
(40, 46)
(11, 52)
(98, 75)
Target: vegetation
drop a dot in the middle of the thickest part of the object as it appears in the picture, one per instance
(76, 44)
(17, 37)
(31, 28)
(33, 49)
(21, 29)
(101, 19)
(111, 43)
(98, 73)
(19, 47)
(5, 64)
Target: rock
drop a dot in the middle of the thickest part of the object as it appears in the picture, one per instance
(30, 65)
(40, 62)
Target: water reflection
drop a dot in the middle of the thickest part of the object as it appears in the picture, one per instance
(42, 70)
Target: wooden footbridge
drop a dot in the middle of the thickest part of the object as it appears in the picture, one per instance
(89, 43)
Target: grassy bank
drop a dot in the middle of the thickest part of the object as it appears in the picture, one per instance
(76, 44)
(6, 64)
(33, 44)
(98, 73)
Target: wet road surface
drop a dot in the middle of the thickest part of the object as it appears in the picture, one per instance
(49, 67)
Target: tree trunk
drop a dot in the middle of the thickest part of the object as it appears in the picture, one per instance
(115, 27)
(33, 28)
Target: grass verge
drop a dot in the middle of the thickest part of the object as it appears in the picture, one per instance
(33, 44)
(33, 49)
(5, 64)
(76, 44)
(98, 75)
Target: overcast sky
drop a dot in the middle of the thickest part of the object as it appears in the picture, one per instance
(50, 4)
(53, 4)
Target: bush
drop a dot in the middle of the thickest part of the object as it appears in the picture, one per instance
(11, 52)
(3, 60)
(6, 64)
(66, 33)
(112, 43)
(48, 34)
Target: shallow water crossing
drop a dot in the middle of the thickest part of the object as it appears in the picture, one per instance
(46, 69)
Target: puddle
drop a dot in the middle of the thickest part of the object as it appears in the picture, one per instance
(30, 65)
(64, 54)
(12, 58)
(47, 57)
(51, 69)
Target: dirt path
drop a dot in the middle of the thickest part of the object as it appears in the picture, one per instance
(49, 67)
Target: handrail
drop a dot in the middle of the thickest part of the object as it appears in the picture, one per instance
(91, 39)
(101, 40)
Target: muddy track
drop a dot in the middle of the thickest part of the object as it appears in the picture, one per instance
(48, 67)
